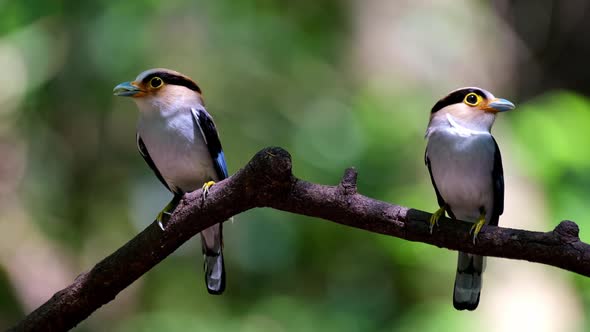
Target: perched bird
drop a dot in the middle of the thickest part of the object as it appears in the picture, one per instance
(178, 140)
(466, 171)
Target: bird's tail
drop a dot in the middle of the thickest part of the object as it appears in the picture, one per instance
(212, 243)
(468, 281)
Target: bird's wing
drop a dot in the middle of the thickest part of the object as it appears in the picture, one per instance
(146, 156)
(441, 201)
(498, 183)
(211, 138)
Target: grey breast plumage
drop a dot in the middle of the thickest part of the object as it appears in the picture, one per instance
(462, 170)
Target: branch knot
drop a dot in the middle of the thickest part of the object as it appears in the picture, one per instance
(348, 183)
(567, 231)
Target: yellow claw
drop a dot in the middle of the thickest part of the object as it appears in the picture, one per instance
(435, 217)
(206, 188)
(162, 218)
(164, 215)
(478, 225)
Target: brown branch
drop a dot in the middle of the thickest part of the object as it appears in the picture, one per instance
(267, 181)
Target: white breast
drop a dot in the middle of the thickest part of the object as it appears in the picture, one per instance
(175, 144)
(462, 166)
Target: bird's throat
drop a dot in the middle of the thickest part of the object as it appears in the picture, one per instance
(460, 130)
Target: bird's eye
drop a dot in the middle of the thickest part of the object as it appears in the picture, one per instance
(156, 82)
(472, 99)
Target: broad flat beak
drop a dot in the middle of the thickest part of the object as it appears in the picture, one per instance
(126, 89)
(499, 105)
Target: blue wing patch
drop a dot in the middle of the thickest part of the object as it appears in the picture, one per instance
(209, 132)
(220, 160)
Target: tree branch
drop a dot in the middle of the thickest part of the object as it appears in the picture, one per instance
(267, 181)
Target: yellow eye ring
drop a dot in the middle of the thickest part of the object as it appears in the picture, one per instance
(472, 99)
(156, 82)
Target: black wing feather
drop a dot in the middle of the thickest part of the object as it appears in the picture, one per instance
(498, 183)
(209, 132)
(143, 151)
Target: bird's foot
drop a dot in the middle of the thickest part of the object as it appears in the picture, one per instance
(435, 217)
(206, 188)
(163, 217)
(476, 228)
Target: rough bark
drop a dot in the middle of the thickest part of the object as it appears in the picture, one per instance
(267, 181)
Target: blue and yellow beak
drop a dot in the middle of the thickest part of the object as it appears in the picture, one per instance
(499, 105)
(128, 89)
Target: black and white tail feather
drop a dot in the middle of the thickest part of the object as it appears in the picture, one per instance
(468, 281)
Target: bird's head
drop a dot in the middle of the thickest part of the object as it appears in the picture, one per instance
(159, 89)
(471, 107)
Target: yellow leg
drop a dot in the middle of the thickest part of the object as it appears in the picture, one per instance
(206, 188)
(436, 216)
(164, 215)
(478, 225)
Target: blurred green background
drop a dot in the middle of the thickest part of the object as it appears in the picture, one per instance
(338, 84)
